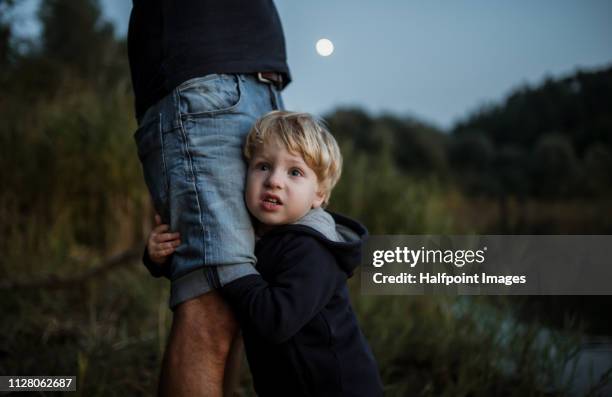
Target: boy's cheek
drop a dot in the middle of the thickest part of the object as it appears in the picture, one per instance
(249, 195)
(251, 186)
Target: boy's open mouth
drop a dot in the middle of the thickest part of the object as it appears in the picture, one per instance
(270, 201)
(270, 198)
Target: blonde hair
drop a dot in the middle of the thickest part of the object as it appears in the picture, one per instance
(303, 134)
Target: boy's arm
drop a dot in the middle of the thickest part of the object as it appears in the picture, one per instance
(161, 242)
(155, 269)
(278, 309)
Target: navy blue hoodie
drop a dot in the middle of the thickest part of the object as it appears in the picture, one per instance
(300, 332)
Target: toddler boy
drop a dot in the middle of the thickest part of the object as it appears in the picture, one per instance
(300, 333)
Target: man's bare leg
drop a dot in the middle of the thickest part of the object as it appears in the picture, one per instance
(194, 362)
(233, 366)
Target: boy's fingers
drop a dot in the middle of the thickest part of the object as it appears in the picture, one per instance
(173, 243)
(158, 220)
(165, 252)
(163, 237)
(161, 228)
(168, 246)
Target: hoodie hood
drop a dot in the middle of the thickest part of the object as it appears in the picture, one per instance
(343, 236)
(323, 222)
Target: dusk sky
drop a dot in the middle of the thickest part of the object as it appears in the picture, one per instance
(434, 60)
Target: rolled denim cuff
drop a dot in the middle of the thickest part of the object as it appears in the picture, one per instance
(197, 282)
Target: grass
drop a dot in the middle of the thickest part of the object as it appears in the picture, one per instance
(111, 332)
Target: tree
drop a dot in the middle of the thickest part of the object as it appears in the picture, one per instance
(75, 37)
(553, 165)
(598, 169)
(5, 33)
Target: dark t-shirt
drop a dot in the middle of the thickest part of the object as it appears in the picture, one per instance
(172, 41)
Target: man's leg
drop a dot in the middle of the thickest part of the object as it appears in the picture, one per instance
(194, 362)
(231, 381)
(183, 155)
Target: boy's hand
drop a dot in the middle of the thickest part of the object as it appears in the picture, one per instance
(161, 244)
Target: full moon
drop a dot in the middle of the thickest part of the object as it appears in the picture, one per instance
(325, 47)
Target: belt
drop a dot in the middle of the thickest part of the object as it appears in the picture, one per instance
(273, 78)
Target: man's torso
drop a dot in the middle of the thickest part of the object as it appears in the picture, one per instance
(170, 42)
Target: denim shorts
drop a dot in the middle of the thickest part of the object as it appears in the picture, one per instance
(190, 146)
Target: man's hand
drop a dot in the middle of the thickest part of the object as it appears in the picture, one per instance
(161, 243)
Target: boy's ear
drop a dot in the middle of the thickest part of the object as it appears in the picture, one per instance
(318, 200)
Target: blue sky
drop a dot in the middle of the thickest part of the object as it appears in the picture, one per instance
(430, 59)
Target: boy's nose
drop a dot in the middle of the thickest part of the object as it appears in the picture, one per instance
(274, 180)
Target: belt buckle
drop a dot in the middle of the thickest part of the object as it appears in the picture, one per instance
(261, 78)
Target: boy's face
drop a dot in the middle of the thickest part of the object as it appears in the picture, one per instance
(281, 188)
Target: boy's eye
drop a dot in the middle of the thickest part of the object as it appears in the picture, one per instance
(295, 172)
(262, 166)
